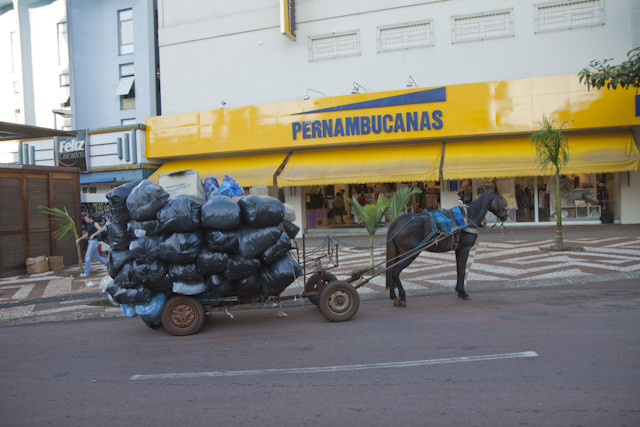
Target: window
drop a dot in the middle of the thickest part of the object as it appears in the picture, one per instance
(63, 46)
(125, 31)
(64, 79)
(15, 52)
(335, 45)
(126, 87)
(489, 25)
(405, 36)
(566, 15)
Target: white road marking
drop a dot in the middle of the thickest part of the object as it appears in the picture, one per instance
(322, 369)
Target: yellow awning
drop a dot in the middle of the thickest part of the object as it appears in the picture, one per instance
(589, 153)
(398, 163)
(247, 170)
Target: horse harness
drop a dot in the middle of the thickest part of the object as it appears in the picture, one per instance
(441, 222)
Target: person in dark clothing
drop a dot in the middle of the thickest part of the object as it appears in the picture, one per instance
(93, 230)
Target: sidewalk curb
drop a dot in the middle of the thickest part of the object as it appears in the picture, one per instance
(116, 312)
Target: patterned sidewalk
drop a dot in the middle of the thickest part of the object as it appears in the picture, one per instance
(60, 296)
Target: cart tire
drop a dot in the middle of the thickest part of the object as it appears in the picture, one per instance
(152, 324)
(182, 315)
(339, 301)
(316, 282)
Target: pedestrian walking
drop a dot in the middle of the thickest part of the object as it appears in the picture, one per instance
(93, 230)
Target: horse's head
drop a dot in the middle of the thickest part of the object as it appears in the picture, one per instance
(498, 206)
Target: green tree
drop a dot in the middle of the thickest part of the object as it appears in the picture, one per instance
(601, 74)
(371, 215)
(398, 201)
(552, 149)
(64, 227)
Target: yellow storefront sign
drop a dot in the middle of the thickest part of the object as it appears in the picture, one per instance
(468, 111)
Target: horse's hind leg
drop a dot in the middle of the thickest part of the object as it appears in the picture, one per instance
(401, 301)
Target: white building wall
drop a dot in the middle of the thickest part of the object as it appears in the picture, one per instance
(629, 207)
(233, 51)
(96, 60)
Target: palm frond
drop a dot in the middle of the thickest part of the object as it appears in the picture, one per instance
(399, 201)
(551, 145)
(64, 225)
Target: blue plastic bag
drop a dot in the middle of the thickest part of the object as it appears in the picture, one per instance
(211, 186)
(229, 187)
(153, 308)
(129, 310)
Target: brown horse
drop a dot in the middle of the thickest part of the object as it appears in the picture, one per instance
(410, 234)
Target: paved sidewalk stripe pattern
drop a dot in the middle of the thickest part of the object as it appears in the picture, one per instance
(506, 264)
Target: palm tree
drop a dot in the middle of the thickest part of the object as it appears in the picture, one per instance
(552, 148)
(371, 215)
(399, 201)
(65, 227)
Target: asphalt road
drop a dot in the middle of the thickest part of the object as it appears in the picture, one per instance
(565, 356)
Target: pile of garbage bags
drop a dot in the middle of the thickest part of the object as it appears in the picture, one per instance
(224, 247)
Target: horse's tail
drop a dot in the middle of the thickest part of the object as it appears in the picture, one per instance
(392, 252)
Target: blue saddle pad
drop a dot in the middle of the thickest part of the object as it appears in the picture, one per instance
(443, 224)
(458, 217)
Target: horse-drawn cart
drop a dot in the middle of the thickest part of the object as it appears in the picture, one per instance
(337, 300)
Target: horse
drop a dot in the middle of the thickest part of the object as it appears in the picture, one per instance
(410, 234)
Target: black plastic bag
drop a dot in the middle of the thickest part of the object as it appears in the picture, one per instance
(163, 284)
(116, 260)
(181, 248)
(219, 286)
(248, 286)
(118, 196)
(119, 214)
(211, 262)
(149, 272)
(189, 288)
(126, 277)
(239, 267)
(290, 228)
(145, 200)
(137, 295)
(185, 273)
(145, 249)
(181, 214)
(277, 250)
(118, 236)
(223, 241)
(254, 241)
(276, 277)
(261, 211)
(143, 228)
(220, 213)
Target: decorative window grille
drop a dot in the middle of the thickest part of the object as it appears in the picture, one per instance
(330, 46)
(405, 36)
(489, 25)
(566, 15)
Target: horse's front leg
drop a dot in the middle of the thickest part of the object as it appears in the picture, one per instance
(462, 255)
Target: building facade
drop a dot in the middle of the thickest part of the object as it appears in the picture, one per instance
(363, 97)
(87, 65)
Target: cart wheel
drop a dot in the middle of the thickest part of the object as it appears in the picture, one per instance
(316, 282)
(150, 323)
(339, 301)
(182, 315)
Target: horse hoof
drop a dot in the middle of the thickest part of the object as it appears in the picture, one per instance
(464, 296)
